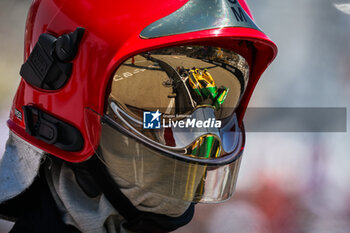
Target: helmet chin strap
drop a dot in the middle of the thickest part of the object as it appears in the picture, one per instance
(94, 178)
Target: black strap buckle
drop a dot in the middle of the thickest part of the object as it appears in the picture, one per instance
(38, 126)
(52, 130)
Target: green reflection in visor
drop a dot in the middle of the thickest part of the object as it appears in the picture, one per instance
(204, 86)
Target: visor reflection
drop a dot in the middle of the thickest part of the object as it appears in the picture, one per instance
(180, 87)
(177, 80)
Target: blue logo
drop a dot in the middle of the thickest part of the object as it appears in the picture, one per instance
(151, 120)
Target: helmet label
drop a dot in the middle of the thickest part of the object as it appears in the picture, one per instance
(18, 114)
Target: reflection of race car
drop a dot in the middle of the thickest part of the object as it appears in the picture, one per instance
(204, 86)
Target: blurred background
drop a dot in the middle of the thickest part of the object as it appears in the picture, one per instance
(289, 182)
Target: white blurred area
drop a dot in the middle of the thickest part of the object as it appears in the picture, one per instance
(289, 182)
(12, 23)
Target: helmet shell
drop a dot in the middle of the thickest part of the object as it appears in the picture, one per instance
(112, 35)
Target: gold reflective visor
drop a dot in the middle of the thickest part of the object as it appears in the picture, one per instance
(192, 91)
(170, 125)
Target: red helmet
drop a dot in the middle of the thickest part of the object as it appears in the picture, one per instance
(73, 49)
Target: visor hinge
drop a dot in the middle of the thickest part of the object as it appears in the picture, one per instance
(49, 64)
(51, 130)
